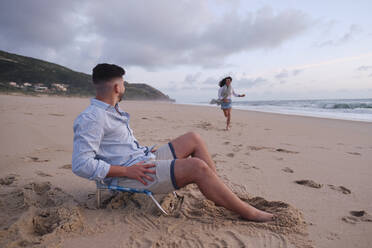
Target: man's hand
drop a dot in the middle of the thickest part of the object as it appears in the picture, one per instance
(136, 171)
(154, 149)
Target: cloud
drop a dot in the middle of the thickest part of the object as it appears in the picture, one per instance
(211, 81)
(364, 68)
(297, 71)
(149, 34)
(191, 78)
(285, 74)
(46, 24)
(349, 35)
(281, 75)
(251, 82)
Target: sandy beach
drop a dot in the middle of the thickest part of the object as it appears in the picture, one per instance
(314, 173)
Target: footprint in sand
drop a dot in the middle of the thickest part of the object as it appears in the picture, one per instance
(333, 236)
(43, 174)
(236, 149)
(215, 155)
(38, 188)
(47, 220)
(226, 142)
(54, 114)
(285, 151)
(321, 147)
(357, 216)
(230, 155)
(248, 166)
(204, 125)
(309, 183)
(257, 148)
(288, 170)
(66, 166)
(354, 153)
(160, 117)
(8, 180)
(36, 159)
(341, 189)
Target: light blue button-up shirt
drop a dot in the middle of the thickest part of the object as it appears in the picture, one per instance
(102, 137)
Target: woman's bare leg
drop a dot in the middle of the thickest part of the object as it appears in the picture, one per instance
(191, 144)
(224, 112)
(228, 119)
(194, 170)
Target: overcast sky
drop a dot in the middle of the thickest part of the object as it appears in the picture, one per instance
(273, 49)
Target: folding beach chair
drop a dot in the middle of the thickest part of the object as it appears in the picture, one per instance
(102, 186)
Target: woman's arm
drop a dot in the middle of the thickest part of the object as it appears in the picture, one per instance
(237, 95)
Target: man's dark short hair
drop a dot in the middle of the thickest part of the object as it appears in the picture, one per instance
(106, 72)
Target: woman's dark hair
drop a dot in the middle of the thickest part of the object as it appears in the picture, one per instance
(223, 81)
(105, 72)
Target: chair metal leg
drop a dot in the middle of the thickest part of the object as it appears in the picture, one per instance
(98, 197)
(131, 190)
(157, 204)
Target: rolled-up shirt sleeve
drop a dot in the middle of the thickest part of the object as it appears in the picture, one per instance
(88, 133)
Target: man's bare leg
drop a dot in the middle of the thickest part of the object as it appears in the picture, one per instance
(191, 144)
(194, 170)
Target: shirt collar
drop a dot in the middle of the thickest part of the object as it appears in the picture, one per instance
(107, 106)
(100, 104)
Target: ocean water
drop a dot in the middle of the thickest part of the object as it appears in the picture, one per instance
(347, 109)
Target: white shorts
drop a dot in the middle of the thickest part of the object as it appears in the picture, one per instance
(164, 179)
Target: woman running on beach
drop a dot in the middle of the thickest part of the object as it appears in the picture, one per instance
(224, 95)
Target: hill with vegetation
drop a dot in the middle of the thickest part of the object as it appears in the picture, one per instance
(29, 75)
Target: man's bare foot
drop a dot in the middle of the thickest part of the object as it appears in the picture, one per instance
(259, 216)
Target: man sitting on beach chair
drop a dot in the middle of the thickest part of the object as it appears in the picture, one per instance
(105, 149)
